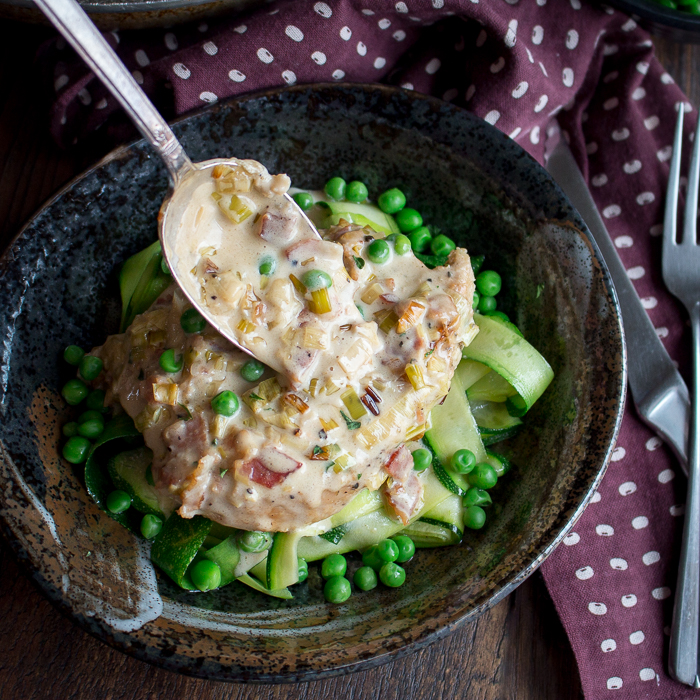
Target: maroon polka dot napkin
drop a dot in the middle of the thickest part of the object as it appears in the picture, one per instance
(535, 69)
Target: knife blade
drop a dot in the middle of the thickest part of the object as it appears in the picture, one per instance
(659, 393)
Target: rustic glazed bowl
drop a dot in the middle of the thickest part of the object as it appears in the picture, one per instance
(58, 286)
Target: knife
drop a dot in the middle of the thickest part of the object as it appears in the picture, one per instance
(659, 393)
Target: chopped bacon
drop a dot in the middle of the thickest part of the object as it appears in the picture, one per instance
(277, 229)
(404, 490)
(400, 463)
(256, 471)
(270, 468)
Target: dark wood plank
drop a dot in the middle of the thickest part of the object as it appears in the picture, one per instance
(516, 650)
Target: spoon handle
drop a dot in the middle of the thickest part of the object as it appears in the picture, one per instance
(71, 21)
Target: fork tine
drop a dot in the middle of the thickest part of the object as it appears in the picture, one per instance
(674, 176)
(690, 219)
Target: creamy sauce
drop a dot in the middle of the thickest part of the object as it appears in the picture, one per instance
(355, 370)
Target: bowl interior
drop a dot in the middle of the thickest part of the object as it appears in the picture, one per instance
(58, 283)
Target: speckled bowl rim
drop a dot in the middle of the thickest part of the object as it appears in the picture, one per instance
(552, 537)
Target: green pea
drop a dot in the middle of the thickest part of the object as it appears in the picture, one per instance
(337, 589)
(422, 459)
(76, 449)
(118, 502)
(402, 244)
(314, 280)
(387, 550)
(70, 429)
(408, 220)
(335, 188)
(303, 568)
(334, 565)
(91, 428)
(488, 283)
(391, 201)
(206, 575)
(252, 370)
(378, 251)
(267, 266)
(463, 461)
(96, 400)
(487, 305)
(371, 558)
(483, 475)
(474, 517)
(407, 548)
(192, 321)
(499, 314)
(442, 245)
(477, 261)
(254, 541)
(356, 191)
(475, 299)
(420, 239)
(516, 406)
(365, 578)
(304, 200)
(392, 575)
(150, 525)
(90, 367)
(74, 391)
(225, 404)
(169, 362)
(73, 354)
(476, 497)
(89, 415)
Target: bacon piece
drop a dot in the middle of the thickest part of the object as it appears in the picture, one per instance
(256, 471)
(404, 490)
(270, 468)
(275, 228)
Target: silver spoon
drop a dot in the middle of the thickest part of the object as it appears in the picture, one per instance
(72, 22)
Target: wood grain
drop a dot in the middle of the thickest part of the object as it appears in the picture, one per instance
(517, 650)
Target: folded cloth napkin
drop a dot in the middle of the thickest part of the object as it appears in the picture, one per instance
(530, 67)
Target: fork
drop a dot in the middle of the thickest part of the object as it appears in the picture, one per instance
(681, 273)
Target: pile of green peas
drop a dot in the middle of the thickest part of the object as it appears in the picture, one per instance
(481, 477)
(90, 422)
(380, 562)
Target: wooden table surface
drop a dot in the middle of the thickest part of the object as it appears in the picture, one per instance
(516, 650)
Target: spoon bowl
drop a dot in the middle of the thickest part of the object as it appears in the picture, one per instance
(78, 29)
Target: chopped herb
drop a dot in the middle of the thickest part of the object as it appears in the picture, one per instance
(359, 475)
(215, 442)
(317, 450)
(359, 262)
(187, 411)
(352, 424)
(329, 465)
(540, 289)
(430, 352)
(361, 310)
(255, 397)
(222, 472)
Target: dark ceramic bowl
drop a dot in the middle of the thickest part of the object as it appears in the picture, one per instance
(58, 286)
(664, 21)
